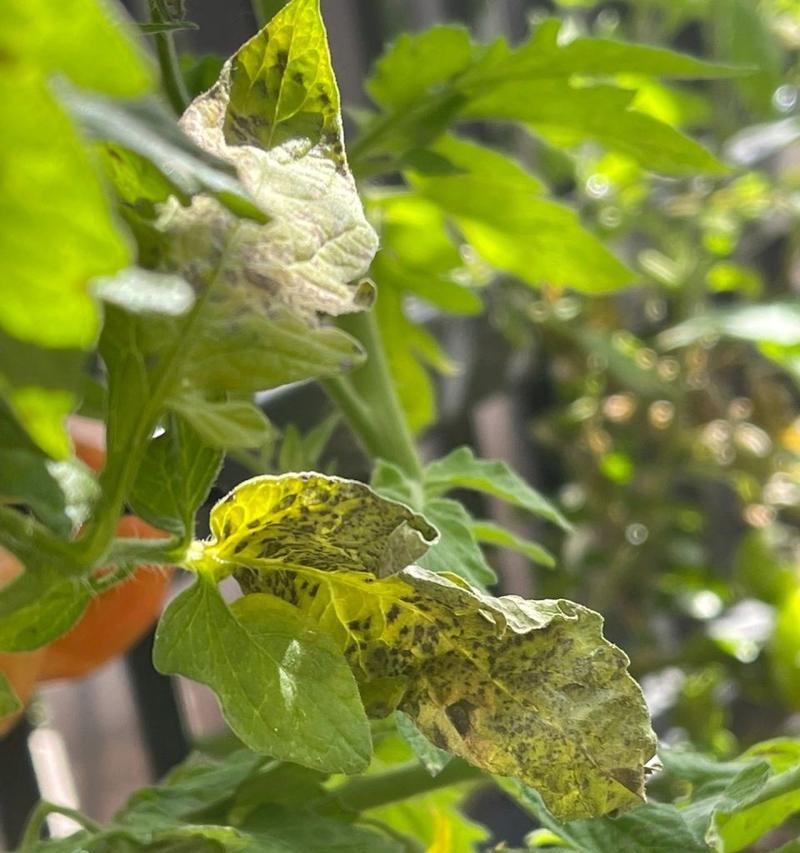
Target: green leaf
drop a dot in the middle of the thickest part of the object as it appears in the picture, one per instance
(146, 155)
(92, 42)
(174, 478)
(489, 533)
(325, 522)
(41, 387)
(462, 470)
(435, 820)
(277, 829)
(652, 828)
(9, 703)
(410, 378)
(415, 63)
(527, 689)
(500, 209)
(542, 57)
(61, 494)
(252, 353)
(567, 115)
(274, 114)
(40, 605)
(224, 423)
(52, 198)
(199, 784)
(283, 687)
(457, 550)
(778, 323)
(431, 757)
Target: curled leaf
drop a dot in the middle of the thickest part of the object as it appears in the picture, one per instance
(322, 522)
(521, 688)
(274, 114)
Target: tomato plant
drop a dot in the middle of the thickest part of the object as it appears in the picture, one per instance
(368, 670)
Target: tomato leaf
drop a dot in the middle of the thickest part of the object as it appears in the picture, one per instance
(39, 605)
(527, 689)
(462, 470)
(283, 686)
(63, 208)
(224, 423)
(432, 758)
(274, 114)
(325, 522)
(174, 478)
(9, 703)
(489, 533)
(92, 42)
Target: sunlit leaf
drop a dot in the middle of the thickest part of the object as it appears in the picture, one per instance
(528, 689)
(274, 114)
(284, 688)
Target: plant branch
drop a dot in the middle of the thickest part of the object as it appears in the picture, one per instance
(368, 400)
(33, 829)
(174, 85)
(370, 792)
(22, 534)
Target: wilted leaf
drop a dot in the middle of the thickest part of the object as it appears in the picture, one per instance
(528, 689)
(283, 686)
(274, 114)
(323, 522)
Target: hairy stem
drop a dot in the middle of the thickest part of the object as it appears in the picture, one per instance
(171, 76)
(368, 400)
(39, 815)
(370, 792)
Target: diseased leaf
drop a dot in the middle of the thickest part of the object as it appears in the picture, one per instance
(527, 689)
(462, 470)
(274, 114)
(284, 688)
(325, 522)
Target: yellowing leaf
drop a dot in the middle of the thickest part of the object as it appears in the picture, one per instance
(274, 114)
(322, 522)
(520, 688)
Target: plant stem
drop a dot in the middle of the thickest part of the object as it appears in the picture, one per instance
(368, 400)
(174, 85)
(370, 792)
(33, 830)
